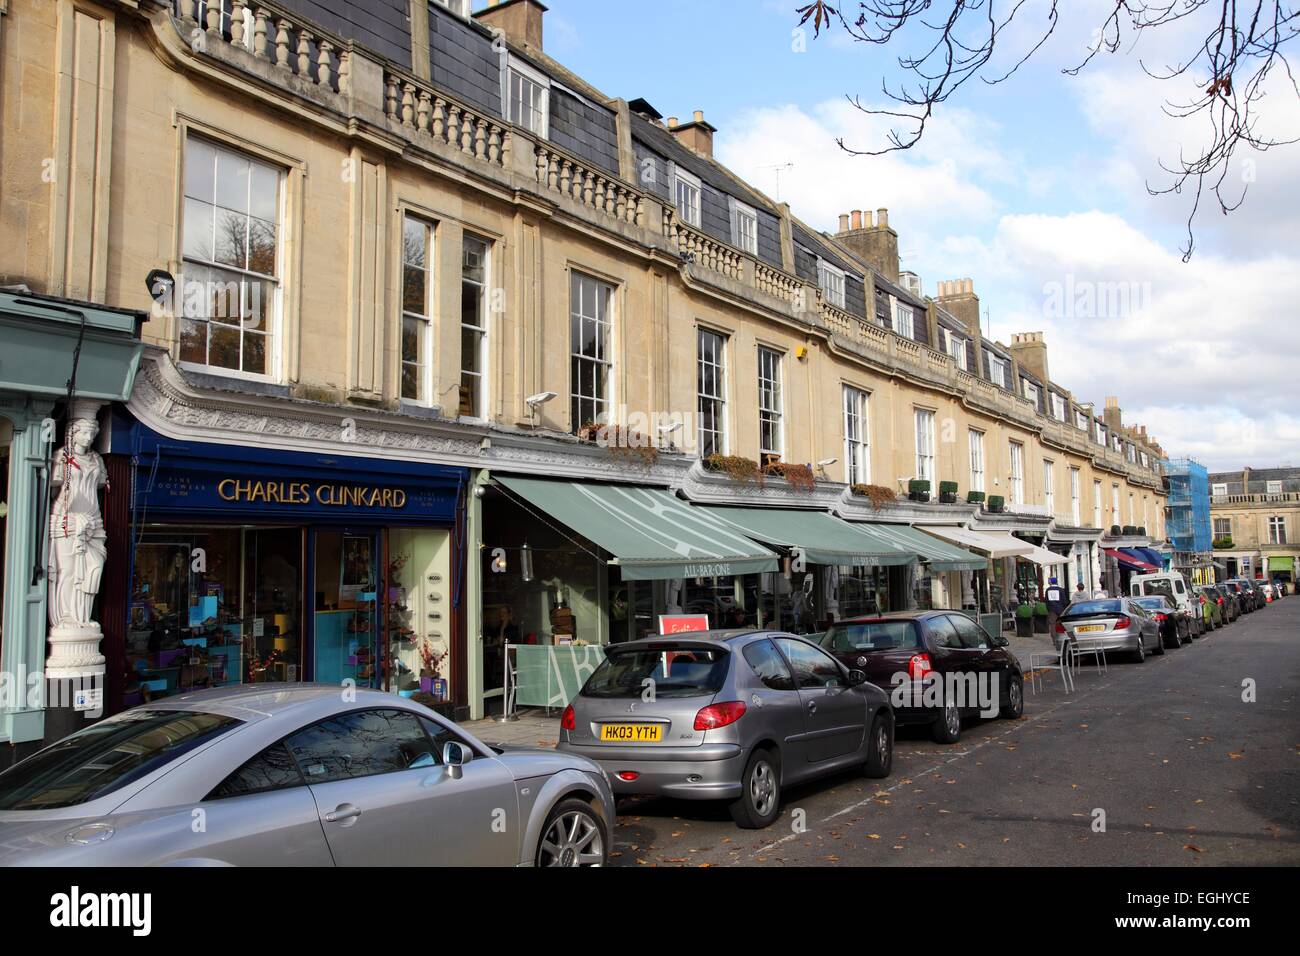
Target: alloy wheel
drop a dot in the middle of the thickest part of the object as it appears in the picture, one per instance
(952, 717)
(762, 787)
(573, 839)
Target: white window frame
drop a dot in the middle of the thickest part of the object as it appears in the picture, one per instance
(903, 311)
(955, 346)
(923, 419)
(608, 293)
(1081, 420)
(425, 362)
(857, 436)
(692, 212)
(1272, 487)
(513, 65)
(998, 368)
(1049, 486)
(275, 320)
(1114, 505)
(1059, 410)
(718, 362)
(1222, 527)
(830, 279)
(1030, 391)
(1096, 503)
(1219, 489)
(459, 7)
(1017, 452)
(744, 239)
(975, 443)
(482, 330)
(1076, 512)
(1277, 529)
(770, 376)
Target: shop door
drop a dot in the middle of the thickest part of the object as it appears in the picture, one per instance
(345, 583)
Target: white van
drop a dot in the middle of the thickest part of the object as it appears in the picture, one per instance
(1175, 587)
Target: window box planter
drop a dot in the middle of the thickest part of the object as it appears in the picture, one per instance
(948, 492)
(799, 477)
(997, 504)
(1114, 531)
(1130, 530)
(1142, 531)
(739, 469)
(918, 489)
(879, 495)
(975, 497)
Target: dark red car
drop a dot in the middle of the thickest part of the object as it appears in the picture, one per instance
(936, 666)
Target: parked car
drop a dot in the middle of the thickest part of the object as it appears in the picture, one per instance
(1280, 585)
(1175, 627)
(294, 774)
(1111, 624)
(1231, 602)
(1253, 595)
(1245, 599)
(912, 650)
(1174, 586)
(727, 715)
(1214, 605)
(1266, 588)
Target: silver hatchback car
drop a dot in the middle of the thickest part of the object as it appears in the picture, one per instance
(1109, 624)
(727, 715)
(298, 774)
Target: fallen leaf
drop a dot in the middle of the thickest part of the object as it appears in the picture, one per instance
(1193, 847)
(1235, 756)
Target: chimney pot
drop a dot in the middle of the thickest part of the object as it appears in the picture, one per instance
(672, 122)
(882, 218)
(844, 222)
(857, 219)
(699, 116)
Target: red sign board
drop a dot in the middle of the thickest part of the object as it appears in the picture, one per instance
(682, 623)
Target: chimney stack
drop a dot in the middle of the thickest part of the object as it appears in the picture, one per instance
(1112, 417)
(1030, 352)
(519, 20)
(876, 245)
(697, 135)
(957, 296)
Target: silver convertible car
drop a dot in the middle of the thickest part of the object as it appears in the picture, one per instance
(727, 715)
(298, 774)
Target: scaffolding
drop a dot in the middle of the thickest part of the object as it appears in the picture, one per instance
(1188, 522)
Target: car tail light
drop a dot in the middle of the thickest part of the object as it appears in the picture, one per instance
(1060, 628)
(719, 715)
(567, 720)
(628, 775)
(1220, 602)
(919, 666)
(1161, 617)
(1122, 622)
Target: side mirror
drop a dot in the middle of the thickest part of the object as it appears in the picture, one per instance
(454, 756)
(857, 677)
(1001, 641)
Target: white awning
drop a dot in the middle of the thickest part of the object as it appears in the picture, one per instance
(994, 544)
(1043, 557)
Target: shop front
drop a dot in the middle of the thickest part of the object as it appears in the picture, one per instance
(255, 566)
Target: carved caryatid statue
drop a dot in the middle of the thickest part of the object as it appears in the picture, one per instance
(78, 548)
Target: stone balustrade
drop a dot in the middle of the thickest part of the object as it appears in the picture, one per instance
(558, 172)
(271, 33)
(418, 109)
(774, 282)
(837, 320)
(702, 249)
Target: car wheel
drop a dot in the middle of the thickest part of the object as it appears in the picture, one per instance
(947, 728)
(574, 835)
(1140, 655)
(1015, 705)
(760, 792)
(1160, 643)
(880, 756)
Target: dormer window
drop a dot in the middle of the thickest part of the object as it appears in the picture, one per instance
(1058, 407)
(831, 280)
(687, 190)
(527, 96)
(1031, 391)
(998, 368)
(956, 347)
(458, 7)
(744, 227)
(904, 324)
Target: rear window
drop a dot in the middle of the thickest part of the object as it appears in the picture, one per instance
(1085, 608)
(1158, 586)
(1154, 603)
(103, 758)
(870, 636)
(675, 672)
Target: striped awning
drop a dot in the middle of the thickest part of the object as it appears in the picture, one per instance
(652, 534)
(939, 554)
(821, 538)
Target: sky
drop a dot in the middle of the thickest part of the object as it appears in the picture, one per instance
(1036, 188)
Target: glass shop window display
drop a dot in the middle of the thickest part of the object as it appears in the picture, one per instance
(212, 607)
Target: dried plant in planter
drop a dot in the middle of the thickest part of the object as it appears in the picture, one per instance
(879, 494)
(624, 442)
(799, 477)
(738, 468)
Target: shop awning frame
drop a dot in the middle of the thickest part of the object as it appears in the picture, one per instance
(1043, 557)
(820, 537)
(994, 544)
(652, 534)
(941, 555)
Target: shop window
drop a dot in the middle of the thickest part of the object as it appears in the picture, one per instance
(230, 244)
(212, 607)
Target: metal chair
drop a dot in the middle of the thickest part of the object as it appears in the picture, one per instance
(1097, 653)
(1051, 662)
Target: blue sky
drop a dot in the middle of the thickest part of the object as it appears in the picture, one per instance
(1028, 187)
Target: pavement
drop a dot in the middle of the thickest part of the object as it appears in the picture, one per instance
(1189, 759)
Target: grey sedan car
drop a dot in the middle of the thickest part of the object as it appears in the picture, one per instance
(1111, 624)
(298, 774)
(727, 715)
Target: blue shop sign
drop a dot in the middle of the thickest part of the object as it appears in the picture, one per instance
(201, 480)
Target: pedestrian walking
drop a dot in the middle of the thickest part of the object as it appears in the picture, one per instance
(1080, 593)
(1054, 598)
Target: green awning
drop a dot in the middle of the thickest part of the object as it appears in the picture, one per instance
(652, 534)
(822, 538)
(1276, 563)
(940, 555)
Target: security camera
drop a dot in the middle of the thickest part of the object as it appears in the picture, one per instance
(541, 398)
(670, 428)
(826, 462)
